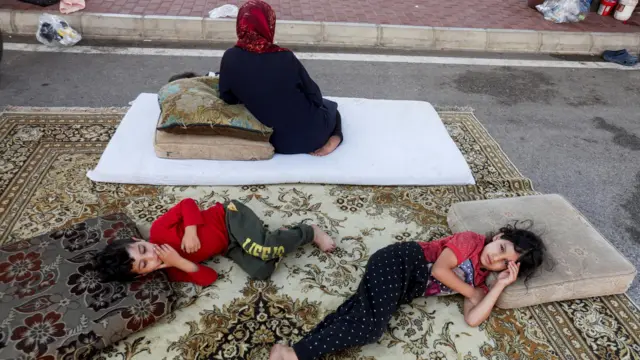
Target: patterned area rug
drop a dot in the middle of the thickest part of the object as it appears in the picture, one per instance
(45, 153)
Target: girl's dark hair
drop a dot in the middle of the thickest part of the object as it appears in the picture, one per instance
(114, 263)
(529, 245)
(185, 75)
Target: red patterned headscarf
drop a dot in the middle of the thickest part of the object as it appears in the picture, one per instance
(256, 27)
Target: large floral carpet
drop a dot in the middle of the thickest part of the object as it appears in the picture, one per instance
(44, 156)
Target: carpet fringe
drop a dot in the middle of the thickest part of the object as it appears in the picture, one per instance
(448, 108)
(631, 300)
(67, 110)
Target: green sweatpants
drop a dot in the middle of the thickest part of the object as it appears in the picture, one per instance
(256, 250)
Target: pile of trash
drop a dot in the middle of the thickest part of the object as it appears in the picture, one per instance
(562, 11)
(54, 31)
(565, 11)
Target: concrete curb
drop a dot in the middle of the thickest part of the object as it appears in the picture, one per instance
(152, 27)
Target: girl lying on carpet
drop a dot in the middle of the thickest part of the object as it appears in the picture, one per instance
(401, 272)
(185, 236)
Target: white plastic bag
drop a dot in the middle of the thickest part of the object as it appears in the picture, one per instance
(562, 11)
(54, 31)
(71, 6)
(224, 11)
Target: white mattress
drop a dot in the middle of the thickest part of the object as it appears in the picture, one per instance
(386, 142)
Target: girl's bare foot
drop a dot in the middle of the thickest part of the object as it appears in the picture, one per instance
(323, 240)
(329, 147)
(282, 352)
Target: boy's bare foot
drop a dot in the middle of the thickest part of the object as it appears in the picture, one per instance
(282, 352)
(329, 147)
(323, 240)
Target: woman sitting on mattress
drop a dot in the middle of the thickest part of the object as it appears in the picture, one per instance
(272, 83)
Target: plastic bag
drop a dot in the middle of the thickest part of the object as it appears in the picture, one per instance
(224, 11)
(562, 11)
(70, 6)
(54, 31)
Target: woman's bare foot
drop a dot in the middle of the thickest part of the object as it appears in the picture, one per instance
(329, 147)
(323, 240)
(282, 352)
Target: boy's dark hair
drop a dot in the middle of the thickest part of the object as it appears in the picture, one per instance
(529, 245)
(114, 263)
(184, 75)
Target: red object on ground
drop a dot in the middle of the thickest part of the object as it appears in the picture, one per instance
(212, 232)
(606, 7)
(466, 246)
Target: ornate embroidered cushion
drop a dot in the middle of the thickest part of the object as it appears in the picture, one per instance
(52, 303)
(585, 263)
(193, 106)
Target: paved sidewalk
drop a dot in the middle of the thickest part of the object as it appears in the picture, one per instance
(486, 14)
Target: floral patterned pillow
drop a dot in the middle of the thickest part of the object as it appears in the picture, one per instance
(54, 306)
(193, 106)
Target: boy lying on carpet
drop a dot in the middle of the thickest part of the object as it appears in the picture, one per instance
(185, 236)
(399, 273)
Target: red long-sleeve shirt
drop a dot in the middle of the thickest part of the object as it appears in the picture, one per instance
(212, 232)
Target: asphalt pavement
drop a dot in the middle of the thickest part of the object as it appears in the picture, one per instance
(575, 132)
